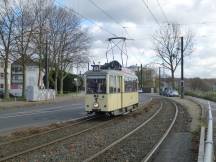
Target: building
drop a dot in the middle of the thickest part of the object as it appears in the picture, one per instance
(31, 73)
(147, 77)
(2, 75)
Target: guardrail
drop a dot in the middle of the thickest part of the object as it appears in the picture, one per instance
(209, 146)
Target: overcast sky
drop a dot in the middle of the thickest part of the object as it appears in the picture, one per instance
(197, 15)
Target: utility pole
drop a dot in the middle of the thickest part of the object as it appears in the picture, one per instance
(141, 76)
(159, 80)
(182, 67)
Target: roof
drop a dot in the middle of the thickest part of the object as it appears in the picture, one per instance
(28, 61)
(123, 72)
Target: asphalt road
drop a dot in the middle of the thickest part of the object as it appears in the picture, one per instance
(45, 114)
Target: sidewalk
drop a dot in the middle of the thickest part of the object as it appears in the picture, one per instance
(24, 104)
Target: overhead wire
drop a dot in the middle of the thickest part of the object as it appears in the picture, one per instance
(105, 13)
(108, 15)
(84, 17)
(162, 11)
(151, 13)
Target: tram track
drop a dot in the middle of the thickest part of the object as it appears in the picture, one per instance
(117, 150)
(69, 124)
(19, 145)
(40, 150)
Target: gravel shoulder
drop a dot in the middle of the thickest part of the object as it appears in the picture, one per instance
(194, 111)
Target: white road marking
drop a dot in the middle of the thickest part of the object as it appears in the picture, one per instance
(43, 111)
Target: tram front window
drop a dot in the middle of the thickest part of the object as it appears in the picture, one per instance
(96, 85)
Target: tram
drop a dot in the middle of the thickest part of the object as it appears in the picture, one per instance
(110, 89)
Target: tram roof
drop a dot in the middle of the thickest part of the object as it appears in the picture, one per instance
(123, 72)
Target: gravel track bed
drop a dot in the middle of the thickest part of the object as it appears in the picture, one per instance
(138, 145)
(81, 147)
(22, 145)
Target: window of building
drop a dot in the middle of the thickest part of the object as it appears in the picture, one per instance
(1, 86)
(2, 64)
(1, 75)
(17, 69)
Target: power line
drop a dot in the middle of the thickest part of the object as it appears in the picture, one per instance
(163, 13)
(112, 18)
(151, 13)
(105, 13)
(82, 16)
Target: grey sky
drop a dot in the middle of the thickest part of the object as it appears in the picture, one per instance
(197, 15)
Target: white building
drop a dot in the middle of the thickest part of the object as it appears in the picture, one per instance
(2, 75)
(31, 73)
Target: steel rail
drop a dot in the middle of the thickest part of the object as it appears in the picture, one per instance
(79, 121)
(124, 137)
(54, 141)
(50, 143)
(155, 148)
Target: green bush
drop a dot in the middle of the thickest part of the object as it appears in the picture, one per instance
(69, 84)
(210, 95)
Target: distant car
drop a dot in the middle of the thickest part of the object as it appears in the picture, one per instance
(165, 92)
(140, 91)
(173, 93)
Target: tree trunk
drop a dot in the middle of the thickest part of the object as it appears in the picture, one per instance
(173, 78)
(24, 79)
(39, 75)
(6, 78)
(61, 83)
(56, 81)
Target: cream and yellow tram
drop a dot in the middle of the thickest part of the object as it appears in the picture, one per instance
(110, 91)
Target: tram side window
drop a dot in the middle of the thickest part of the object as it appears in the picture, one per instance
(135, 88)
(118, 89)
(130, 85)
(112, 84)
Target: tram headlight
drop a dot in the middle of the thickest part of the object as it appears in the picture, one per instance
(95, 105)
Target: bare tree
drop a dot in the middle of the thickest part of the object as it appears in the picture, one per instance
(38, 29)
(167, 46)
(42, 11)
(7, 21)
(68, 43)
(74, 47)
(25, 27)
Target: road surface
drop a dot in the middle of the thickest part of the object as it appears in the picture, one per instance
(45, 114)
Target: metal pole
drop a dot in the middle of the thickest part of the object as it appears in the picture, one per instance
(159, 81)
(141, 76)
(182, 67)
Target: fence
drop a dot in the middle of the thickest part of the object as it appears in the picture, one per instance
(209, 151)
